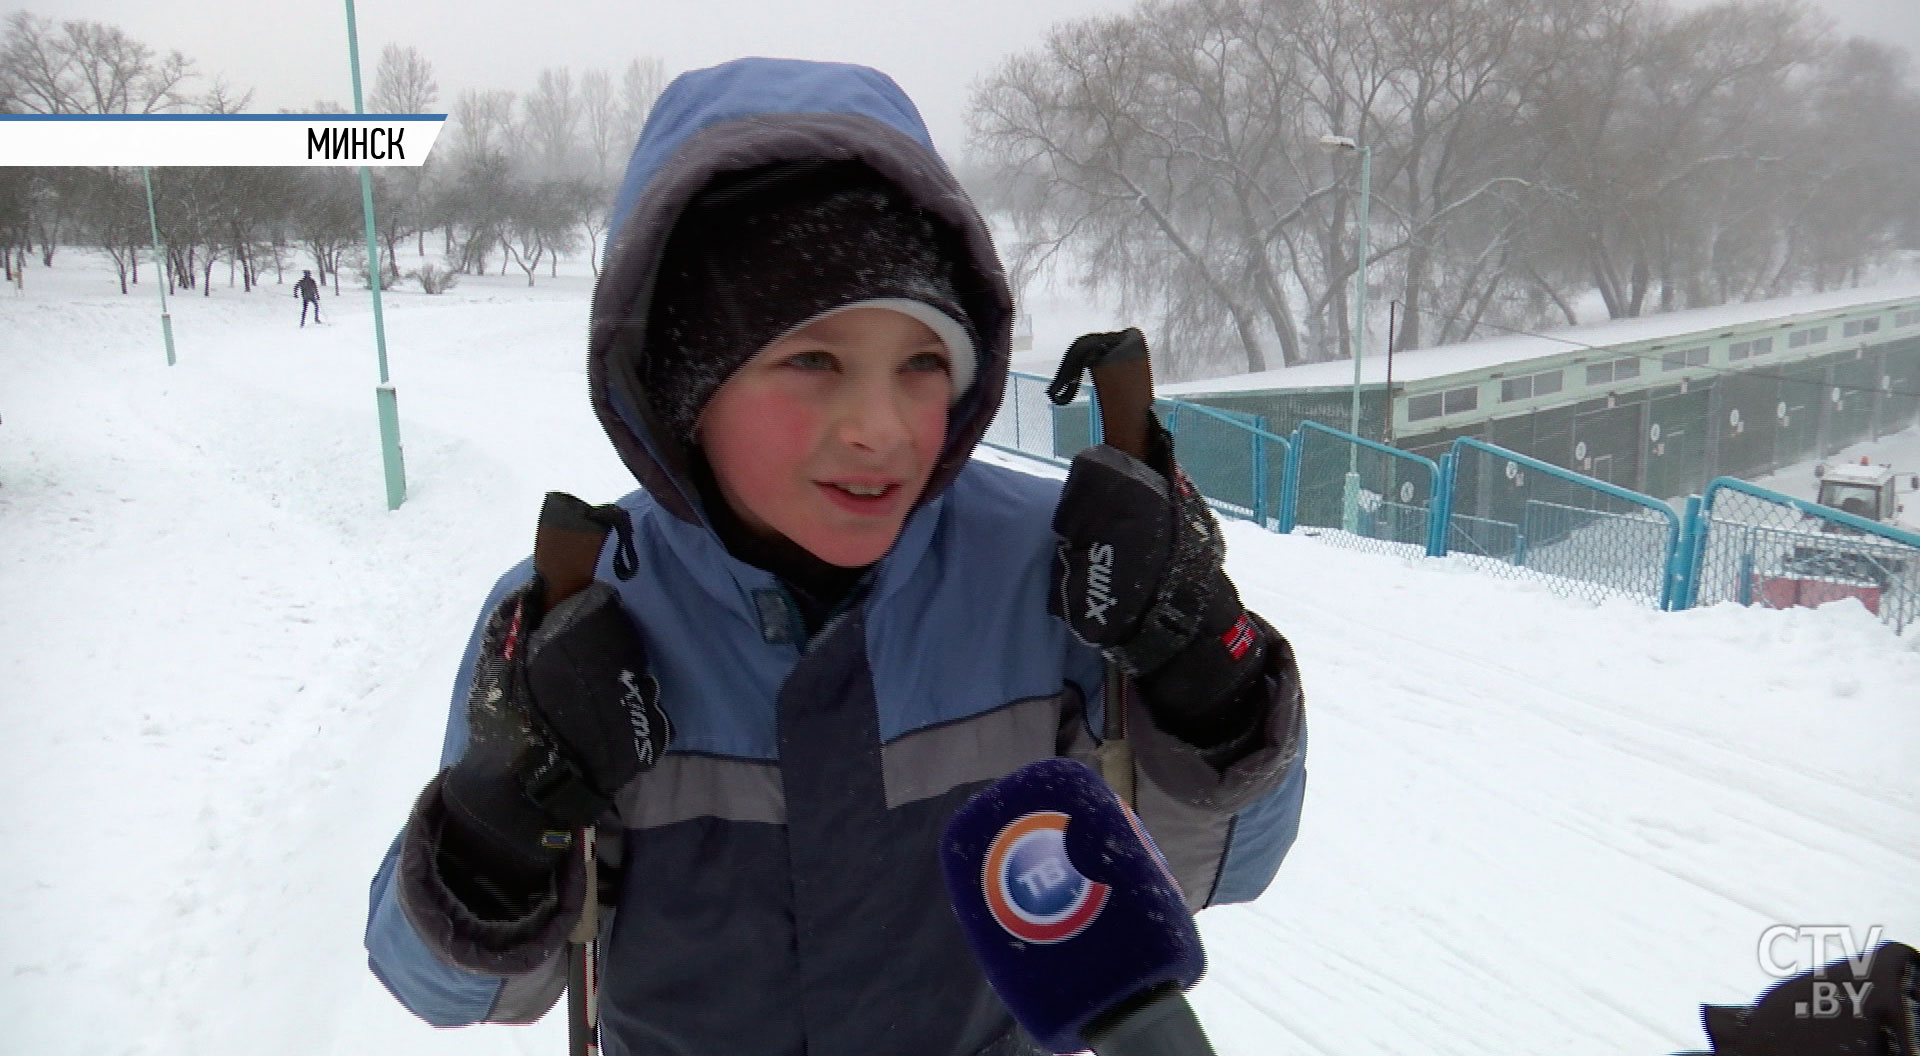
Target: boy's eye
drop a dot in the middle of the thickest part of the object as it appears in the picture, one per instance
(811, 360)
(927, 362)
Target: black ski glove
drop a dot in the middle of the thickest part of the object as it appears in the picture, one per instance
(562, 714)
(1139, 576)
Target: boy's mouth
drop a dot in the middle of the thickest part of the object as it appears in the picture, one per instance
(860, 496)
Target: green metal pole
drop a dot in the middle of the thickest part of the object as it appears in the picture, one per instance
(385, 398)
(1351, 505)
(159, 264)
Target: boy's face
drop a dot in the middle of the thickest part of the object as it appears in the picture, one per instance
(828, 435)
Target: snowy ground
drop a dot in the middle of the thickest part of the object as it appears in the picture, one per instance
(1533, 825)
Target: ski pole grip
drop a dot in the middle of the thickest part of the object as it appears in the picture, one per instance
(566, 547)
(1126, 399)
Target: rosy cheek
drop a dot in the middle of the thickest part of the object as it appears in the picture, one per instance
(779, 424)
(756, 440)
(930, 432)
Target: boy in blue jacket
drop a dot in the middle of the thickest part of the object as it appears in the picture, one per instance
(801, 332)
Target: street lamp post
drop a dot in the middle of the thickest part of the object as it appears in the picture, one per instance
(1350, 503)
(159, 264)
(385, 398)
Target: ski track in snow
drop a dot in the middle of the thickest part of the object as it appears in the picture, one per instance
(1533, 824)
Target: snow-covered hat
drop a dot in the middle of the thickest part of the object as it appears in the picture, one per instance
(759, 256)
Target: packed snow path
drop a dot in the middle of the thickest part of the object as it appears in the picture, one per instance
(1532, 825)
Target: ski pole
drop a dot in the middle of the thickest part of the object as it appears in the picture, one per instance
(583, 962)
(1123, 388)
(566, 550)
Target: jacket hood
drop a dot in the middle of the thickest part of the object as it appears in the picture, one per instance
(742, 115)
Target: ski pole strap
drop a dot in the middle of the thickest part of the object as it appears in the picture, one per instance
(1092, 350)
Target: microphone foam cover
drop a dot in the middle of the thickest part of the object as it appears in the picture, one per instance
(1069, 907)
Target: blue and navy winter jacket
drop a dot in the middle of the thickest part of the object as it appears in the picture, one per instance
(779, 886)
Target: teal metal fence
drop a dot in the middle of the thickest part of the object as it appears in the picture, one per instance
(1029, 424)
(1224, 453)
(1519, 516)
(1507, 512)
(1387, 506)
(1759, 547)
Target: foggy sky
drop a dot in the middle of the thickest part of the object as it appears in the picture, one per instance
(293, 54)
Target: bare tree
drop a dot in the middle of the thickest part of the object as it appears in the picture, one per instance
(403, 83)
(1523, 152)
(83, 67)
(1164, 147)
(551, 123)
(600, 113)
(541, 222)
(481, 122)
(640, 86)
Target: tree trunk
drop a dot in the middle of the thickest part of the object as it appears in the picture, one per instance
(206, 277)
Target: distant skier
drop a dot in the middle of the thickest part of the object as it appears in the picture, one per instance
(309, 292)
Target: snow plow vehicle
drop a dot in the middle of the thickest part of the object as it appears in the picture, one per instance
(1830, 559)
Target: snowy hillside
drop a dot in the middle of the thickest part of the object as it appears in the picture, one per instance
(1532, 825)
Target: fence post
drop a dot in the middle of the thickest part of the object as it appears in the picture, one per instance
(1290, 484)
(1440, 506)
(1746, 578)
(1014, 384)
(1679, 594)
(1259, 471)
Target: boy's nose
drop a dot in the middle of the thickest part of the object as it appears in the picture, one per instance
(872, 420)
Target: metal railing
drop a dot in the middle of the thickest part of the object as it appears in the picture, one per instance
(1029, 424)
(1386, 506)
(1758, 547)
(1506, 512)
(1578, 534)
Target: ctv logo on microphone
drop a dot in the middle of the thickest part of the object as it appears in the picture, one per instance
(1032, 889)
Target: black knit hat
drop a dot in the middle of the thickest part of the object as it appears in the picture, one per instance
(758, 255)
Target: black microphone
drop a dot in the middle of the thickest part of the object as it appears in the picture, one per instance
(1074, 916)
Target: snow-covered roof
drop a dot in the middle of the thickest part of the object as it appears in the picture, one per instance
(1480, 355)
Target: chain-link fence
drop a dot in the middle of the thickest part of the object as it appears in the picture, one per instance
(1235, 463)
(1757, 547)
(1510, 513)
(1224, 453)
(1362, 494)
(1519, 516)
(1029, 424)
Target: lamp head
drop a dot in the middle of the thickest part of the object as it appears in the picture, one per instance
(1333, 144)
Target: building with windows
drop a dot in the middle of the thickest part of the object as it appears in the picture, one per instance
(1660, 404)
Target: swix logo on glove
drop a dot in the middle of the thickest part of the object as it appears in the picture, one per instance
(1116, 528)
(1099, 581)
(642, 700)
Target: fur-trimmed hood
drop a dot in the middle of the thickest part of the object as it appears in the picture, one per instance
(741, 115)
